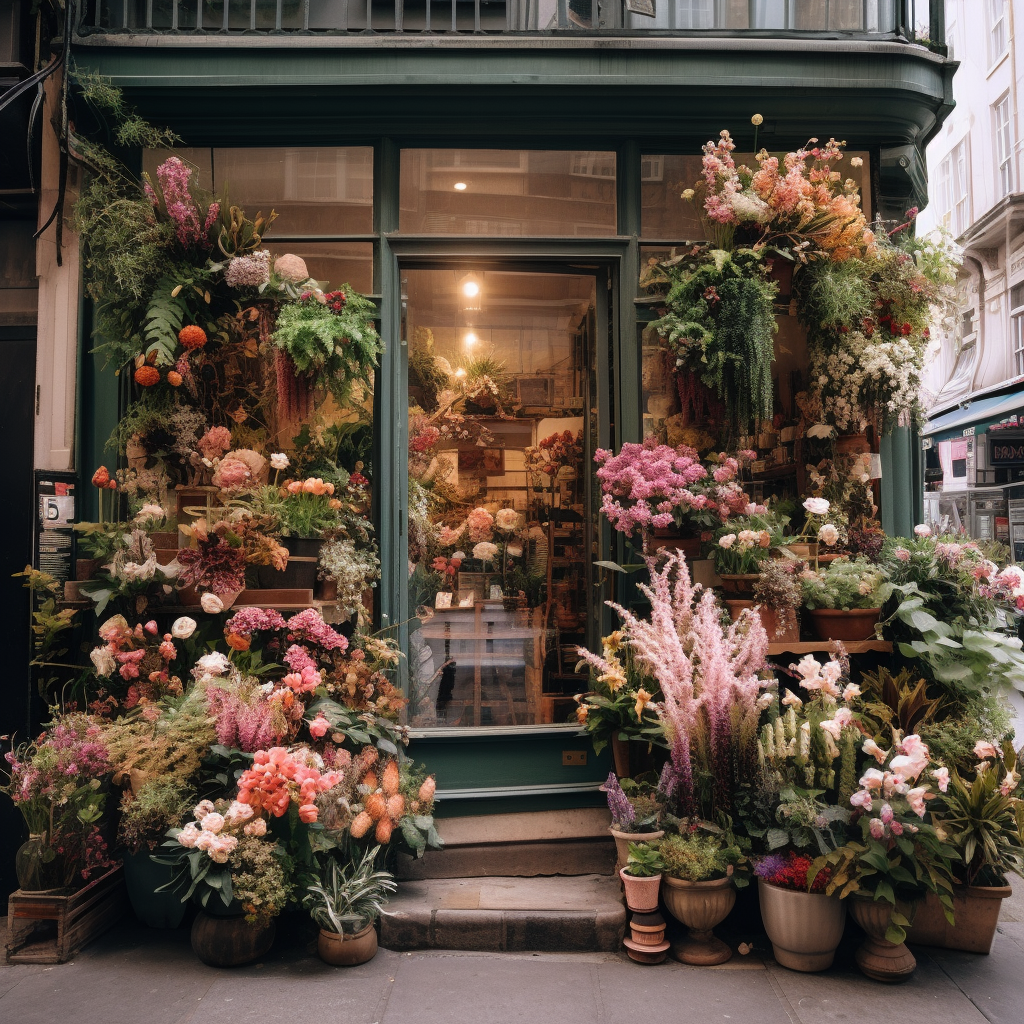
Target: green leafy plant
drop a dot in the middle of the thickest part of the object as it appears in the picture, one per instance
(644, 861)
(692, 857)
(344, 900)
(845, 584)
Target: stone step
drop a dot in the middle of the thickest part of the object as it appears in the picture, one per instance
(582, 913)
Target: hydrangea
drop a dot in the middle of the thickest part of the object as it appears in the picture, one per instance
(252, 271)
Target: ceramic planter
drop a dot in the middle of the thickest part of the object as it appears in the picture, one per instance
(976, 911)
(647, 943)
(788, 629)
(641, 893)
(142, 877)
(221, 938)
(852, 624)
(347, 950)
(804, 927)
(623, 839)
(700, 906)
(877, 957)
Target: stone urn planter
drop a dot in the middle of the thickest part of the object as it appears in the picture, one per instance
(221, 936)
(852, 624)
(877, 957)
(641, 892)
(804, 927)
(347, 950)
(700, 906)
(976, 912)
(623, 839)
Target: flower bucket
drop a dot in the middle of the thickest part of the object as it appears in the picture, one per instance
(804, 927)
(853, 624)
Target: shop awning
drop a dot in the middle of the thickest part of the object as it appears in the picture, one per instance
(979, 413)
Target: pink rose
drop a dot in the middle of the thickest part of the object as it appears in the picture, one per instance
(318, 727)
(307, 813)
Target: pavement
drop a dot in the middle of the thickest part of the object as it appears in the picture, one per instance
(135, 975)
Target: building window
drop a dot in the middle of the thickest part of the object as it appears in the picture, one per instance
(1017, 328)
(954, 191)
(997, 30)
(1004, 145)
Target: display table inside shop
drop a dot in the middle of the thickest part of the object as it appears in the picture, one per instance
(496, 662)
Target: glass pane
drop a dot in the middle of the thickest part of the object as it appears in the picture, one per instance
(335, 262)
(500, 540)
(507, 192)
(667, 217)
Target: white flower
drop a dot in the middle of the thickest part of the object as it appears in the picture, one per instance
(727, 541)
(279, 461)
(211, 604)
(793, 701)
(213, 664)
(817, 506)
(828, 534)
(820, 430)
(182, 628)
(506, 519)
(150, 510)
(485, 551)
(856, 161)
(103, 661)
(922, 530)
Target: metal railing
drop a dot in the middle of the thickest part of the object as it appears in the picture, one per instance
(859, 18)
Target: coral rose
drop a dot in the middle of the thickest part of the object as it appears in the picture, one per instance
(174, 378)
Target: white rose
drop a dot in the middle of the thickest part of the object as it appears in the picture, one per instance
(828, 534)
(922, 530)
(103, 661)
(279, 461)
(214, 664)
(817, 506)
(727, 541)
(183, 627)
(211, 604)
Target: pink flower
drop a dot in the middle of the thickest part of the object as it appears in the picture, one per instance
(923, 531)
(916, 798)
(877, 828)
(307, 813)
(256, 828)
(188, 835)
(318, 727)
(213, 822)
(902, 554)
(872, 748)
(872, 779)
(1009, 784)
(886, 814)
(985, 749)
(862, 798)
(941, 776)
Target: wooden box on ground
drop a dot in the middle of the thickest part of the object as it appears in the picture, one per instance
(45, 929)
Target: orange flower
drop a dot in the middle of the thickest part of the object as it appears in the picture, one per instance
(101, 477)
(147, 376)
(174, 378)
(237, 642)
(192, 336)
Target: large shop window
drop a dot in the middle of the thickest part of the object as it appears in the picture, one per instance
(502, 405)
(508, 193)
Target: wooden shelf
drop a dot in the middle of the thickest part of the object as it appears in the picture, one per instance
(824, 646)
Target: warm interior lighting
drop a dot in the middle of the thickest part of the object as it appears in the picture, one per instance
(460, 372)
(470, 340)
(470, 288)
(460, 186)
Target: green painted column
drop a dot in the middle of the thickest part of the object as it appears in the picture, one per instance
(901, 484)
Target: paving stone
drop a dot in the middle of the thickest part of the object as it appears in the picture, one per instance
(992, 982)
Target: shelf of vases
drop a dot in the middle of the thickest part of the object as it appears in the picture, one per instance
(819, 646)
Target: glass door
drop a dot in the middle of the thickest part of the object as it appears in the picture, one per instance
(503, 418)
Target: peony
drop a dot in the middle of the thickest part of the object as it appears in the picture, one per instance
(506, 519)
(817, 506)
(872, 779)
(318, 727)
(211, 604)
(828, 535)
(103, 661)
(727, 541)
(850, 692)
(279, 461)
(214, 664)
(212, 822)
(922, 530)
(202, 809)
(188, 835)
(256, 828)
(485, 551)
(182, 628)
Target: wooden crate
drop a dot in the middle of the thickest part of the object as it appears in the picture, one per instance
(79, 918)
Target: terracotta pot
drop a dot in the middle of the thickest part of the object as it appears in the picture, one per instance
(620, 755)
(976, 911)
(805, 927)
(646, 943)
(700, 906)
(326, 590)
(229, 941)
(623, 839)
(807, 550)
(877, 957)
(853, 444)
(787, 630)
(853, 624)
(664, 540)
(347, 950)
(739, 583)
(641, 893)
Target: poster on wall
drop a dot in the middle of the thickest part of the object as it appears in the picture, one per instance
(55, 513)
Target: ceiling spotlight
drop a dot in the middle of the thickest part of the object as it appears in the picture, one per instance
(460, 186)
(470, 288)
(470, 339)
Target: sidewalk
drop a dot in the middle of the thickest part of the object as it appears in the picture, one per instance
(134, 975)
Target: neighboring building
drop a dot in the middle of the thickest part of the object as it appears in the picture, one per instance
(512, 140)
(976, 427)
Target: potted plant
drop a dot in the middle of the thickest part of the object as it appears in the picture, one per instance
(817, 530)
(980, 819)
(742, 546)
(346, 904)
(776, 596)
(845, 598)
(214, 565)
(641, 877)
(698, 892)
(636, 810)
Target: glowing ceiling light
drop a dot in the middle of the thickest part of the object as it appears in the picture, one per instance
(470, 340)
(460, 186)
(470, 288)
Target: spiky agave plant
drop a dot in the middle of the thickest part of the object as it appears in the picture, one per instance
(346, 901)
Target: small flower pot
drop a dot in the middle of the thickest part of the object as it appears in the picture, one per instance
(347, 950)
(641, 893)
(853, 624)
(804, 927)
(976, 913)
(700, 906)
(623, 839)
(670, 540)
(805, 550)
(739, 583)
(787, 629)
(646, 943)
(877, 957)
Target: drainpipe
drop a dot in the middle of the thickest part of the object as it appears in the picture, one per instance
(981, 310)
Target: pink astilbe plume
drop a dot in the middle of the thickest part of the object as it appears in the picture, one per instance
(248, 724)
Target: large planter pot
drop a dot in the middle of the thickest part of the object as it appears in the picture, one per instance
(700, 906)
(976, 911)
(852, 444)
(40, 868)
(852, 624)
(739, 583)
(788, 629)
(670, 540)
(302, 547)
(142, 877)
(641, 893)
(877, 957)
(804, 927)
(229, 941)
(347, 950)
(623, 839)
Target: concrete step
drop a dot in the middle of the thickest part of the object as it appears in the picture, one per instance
(582, 913)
